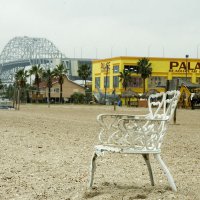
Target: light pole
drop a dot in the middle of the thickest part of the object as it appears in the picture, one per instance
(186, 65)
(107, 67)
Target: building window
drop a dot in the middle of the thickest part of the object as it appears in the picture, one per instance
(156, 81)
(97, 82)
(106, 83)
(116, 69)
(55, 90)
(131, 68)
(135, 82)
(115, 81)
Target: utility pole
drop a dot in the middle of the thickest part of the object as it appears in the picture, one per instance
(107, 67)
(177, 85)
(186, 66)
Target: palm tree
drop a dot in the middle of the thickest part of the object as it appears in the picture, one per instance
(48, 77)
(37, 71)
(20, 81)
(125, 77)
(84, 72)
(9, 92)
(1, 85)
(59, 73)
(144, 69)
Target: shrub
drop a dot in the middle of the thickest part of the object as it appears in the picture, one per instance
(77, 97)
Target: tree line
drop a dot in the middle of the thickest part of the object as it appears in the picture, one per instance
(40, 74)
(21, 88)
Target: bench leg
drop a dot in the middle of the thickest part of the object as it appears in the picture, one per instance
(92, 169)
(146, 158)
(167, 172)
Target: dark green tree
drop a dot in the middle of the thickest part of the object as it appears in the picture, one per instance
(1, 85)
(2, 88)
(144, 69)
(37, 71)
(125, 78)
(9, 91)
(77, 97)
(48, 75)
(59, 73)
(20, 81)
(84, 72)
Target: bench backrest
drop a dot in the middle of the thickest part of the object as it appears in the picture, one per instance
(170, 103)
(155, 104)
(163, 105)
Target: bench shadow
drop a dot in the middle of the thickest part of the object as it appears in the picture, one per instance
(123, 191)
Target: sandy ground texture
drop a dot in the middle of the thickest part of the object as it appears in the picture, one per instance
(46, 152)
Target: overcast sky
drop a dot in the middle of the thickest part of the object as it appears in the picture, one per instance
(105, 28)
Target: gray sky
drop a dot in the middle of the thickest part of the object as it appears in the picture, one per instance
(101, 28)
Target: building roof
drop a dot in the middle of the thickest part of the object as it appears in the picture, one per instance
(43, 84)
(139, 57)
(188, 84)
(82, 82)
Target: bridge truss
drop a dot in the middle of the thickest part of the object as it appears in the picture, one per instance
(21, 52)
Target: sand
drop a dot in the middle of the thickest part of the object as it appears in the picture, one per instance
(46, 152)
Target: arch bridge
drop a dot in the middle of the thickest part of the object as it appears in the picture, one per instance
(21, 52)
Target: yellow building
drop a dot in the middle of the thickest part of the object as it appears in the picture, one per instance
(163, 69)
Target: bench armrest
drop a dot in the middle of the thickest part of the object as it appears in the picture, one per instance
(101, 117)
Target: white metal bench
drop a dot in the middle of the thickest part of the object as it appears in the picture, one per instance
(138, 134)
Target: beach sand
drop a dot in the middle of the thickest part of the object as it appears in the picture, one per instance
(46, 152)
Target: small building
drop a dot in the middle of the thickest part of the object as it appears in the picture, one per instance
(68, 88)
